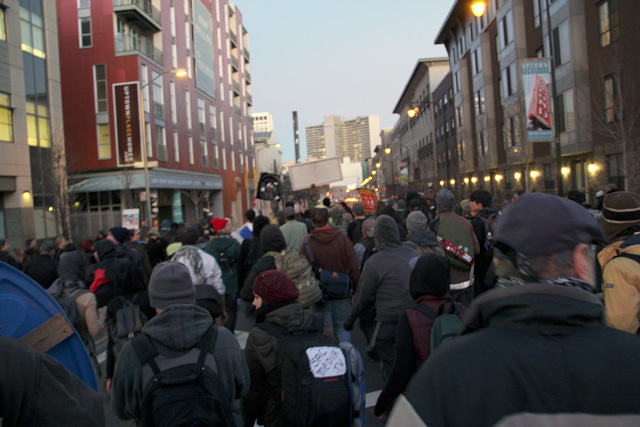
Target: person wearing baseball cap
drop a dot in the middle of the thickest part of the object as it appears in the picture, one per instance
(276, 306)
(536, 348)
(620, 261)
(179, 326)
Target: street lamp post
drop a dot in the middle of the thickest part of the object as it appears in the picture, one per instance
(179, 72)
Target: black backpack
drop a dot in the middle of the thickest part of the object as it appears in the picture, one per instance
(314, 379)
(182, 391)
(126, 324)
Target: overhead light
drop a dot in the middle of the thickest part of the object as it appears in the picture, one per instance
(453, 181)
(376, 189)
(378, 165)
(50, 208)
(442, 183)
(565, 171)
(373, 172)
(412, 112)
(498, 178)
(474, 179)
(534, 174)
(487, 178)
(466, 179)
(477, 7)
(181, 72)
(517, 175)
(593, 168)
(387, 150)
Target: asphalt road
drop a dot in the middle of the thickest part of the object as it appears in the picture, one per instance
(373, 377)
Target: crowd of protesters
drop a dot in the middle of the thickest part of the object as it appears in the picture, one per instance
(547, 290)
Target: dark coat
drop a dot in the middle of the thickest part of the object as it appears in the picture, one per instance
(271, 239)
(42, 269)
(537, 348)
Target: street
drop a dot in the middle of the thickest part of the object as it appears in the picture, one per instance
(373, 376)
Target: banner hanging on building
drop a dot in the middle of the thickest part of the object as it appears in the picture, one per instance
(203, 49)
(368, 198)
(127, 123)
(536, 77)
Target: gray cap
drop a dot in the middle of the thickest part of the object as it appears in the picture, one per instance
(542, 224)
(170, 283)
(416, 221)
(358, 208)
(368, 225)
(289, 212)
(445, 201)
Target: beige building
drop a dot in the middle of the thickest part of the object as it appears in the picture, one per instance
(337, 137)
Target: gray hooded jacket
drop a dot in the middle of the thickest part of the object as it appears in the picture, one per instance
(385, 275)
(174, 331)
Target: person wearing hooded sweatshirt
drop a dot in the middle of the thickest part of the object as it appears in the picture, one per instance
(110, 272)
(332, 250)
(386, 276)
(271, 239)
(119, 236)
(419, 237)
(250, 251)
(225, 249)
(178, 327)
(535, 351)
(136, 294)
(429, 286)
(72, 283)
(484, 215)
(275, 302)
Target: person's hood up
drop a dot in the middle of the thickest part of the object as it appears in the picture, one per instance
(430, 276)
(179, 326)
(272, 239)
(487, 212)
(259, 223)
(336, 216)
(631, 245)
(386, 233)
(325, 235)
(423, 238)
(223, 241)
(533, 304)
(105, 249)
(72, 267)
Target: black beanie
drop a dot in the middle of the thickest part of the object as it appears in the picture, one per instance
(430, 276)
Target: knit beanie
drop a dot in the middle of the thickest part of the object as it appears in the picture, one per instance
(218, 224)
(170, 283)
(275, 286)
(445, 201)
(416, 221)
(121, 234)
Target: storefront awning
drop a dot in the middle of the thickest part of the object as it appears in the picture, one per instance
(156, 180)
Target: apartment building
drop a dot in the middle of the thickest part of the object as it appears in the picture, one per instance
(486, 55)
(355, 138)
(196, 129)
(30, 121)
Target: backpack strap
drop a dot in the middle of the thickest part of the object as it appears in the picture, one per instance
(207, 343)
(636, 258)
(273, 329)
(312, 260)
(454, 307)
(427, 311)
(146, 351)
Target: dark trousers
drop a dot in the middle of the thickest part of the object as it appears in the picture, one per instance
(385, 344)
(231, 301)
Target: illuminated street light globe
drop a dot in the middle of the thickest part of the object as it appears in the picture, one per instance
(477, 7)
(387, 150)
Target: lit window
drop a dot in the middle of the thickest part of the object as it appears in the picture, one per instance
(104, 142)
(609, 22)
(6, 124)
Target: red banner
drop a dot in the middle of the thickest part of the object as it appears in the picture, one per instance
(369, 199)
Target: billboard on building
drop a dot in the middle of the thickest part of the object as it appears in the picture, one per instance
(127, 123)
(203, 49)
(536, 77)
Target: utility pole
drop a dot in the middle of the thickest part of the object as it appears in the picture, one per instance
(296, 136)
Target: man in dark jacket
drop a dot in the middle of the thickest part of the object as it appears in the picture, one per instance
(536, 352)
(386, 276)
(178, 327)
(484, 222)
(332, 250)
(43, 267)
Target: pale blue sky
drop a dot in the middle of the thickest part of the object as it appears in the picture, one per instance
(349, 58)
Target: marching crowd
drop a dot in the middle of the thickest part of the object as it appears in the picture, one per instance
(542, 296)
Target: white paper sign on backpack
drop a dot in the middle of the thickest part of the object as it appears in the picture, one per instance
(326, 362)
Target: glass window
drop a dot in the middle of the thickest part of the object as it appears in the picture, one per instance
(608, 22)
(201, 118)
(161, 143)
(204, 154)
(616, 170)
(566, 111)
(85, 32)
(561, 44)
(104, 142)
(549, 176)
(176, 147)
(6, 122)
(3, 27)
(100, 81)
(158, 96)
(536, 13)
(611, 112)
(38, 132)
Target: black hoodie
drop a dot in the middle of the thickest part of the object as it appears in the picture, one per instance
(271, 239)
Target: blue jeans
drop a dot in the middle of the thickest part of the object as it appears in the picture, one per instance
(335, 313)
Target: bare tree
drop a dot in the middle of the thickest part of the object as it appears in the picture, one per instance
(60, 164)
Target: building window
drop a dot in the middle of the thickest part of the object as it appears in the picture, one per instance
(158, 96)
(6, 122)
(505, 30)
(144, 79)
(609, 22)
(459, 116)
(174, 109)
(201, 119)
(85, 32)
(191, 161)
(549, 177)
(507, 179)
(561, 44)
(536, 13)
(616, 170)
(161, 143)
(176, 147)
(476, 61)
(509, 80)
(32, 30)
(104, 142)
(578, 174)
(611, 97)
(566, 111)
(482, 144)
(512, 131)
(38, 132)
(3, 26)
(100, 88)
(204, 154)
(456, 84)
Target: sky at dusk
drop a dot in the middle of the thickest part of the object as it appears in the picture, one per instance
(335, 57)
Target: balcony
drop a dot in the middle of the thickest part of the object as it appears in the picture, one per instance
(247, 56)
(247, 75)
(234, 59)
(135, 44)
(249, 99)
(234, 38)
(140, 13)
(236, 87)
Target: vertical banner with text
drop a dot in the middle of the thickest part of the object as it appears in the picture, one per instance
(536, 76)
(368, 198)
(127, 123)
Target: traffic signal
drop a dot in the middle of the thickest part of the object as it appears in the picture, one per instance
(268, 187)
